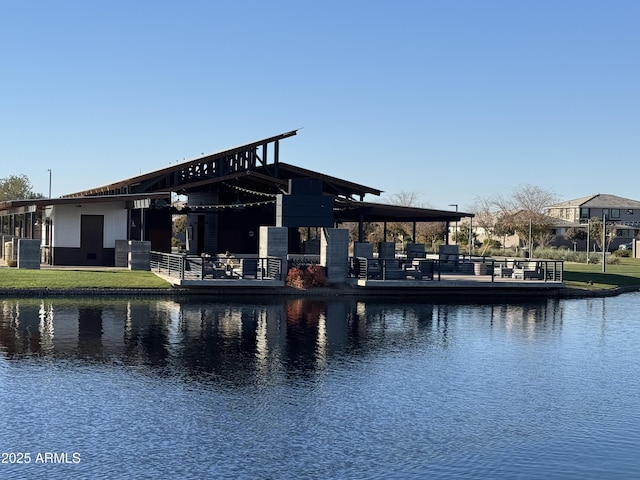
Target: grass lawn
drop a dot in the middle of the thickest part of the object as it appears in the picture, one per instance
(41, 279)
(580, 275)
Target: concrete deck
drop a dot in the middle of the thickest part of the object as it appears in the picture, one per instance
(449, 284)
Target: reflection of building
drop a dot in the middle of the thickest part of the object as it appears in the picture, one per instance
(230, 195)
(254, 342)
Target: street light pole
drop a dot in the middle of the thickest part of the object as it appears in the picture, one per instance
(604, 242)
(49, 170)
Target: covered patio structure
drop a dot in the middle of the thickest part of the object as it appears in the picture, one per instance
(230, 194)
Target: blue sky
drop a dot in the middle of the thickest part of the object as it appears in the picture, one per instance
(453, 100)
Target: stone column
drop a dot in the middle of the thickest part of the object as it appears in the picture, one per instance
(334, 253)
(29, 254)
(273, 243)
(139, 255)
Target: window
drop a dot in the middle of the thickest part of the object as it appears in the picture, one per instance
(615, 213)
(584, 213)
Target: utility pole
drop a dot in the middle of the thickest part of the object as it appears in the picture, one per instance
(49, 170)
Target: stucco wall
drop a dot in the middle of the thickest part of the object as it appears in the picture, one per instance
(66, 223)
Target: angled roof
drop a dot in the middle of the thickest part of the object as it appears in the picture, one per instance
(255, 169)
(255, 165)
(601, 200)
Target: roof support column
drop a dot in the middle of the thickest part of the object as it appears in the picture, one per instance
(276, 157)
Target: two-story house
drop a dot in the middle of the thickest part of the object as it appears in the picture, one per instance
(623, 213)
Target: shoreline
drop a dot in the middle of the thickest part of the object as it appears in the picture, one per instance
(334, 291)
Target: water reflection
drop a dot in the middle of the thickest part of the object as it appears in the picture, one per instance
(233, 340)
(322, 388)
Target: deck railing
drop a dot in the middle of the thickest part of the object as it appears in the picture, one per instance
(434, 268)
(187, 267)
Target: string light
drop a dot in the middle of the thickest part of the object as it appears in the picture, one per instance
(253, 192)
(233, 206)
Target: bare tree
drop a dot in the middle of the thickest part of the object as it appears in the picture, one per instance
(486, 217)
(406, 199)
(595, 233)
(524, 213)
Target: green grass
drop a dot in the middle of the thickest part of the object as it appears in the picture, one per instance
(590, 276)
(42, 279)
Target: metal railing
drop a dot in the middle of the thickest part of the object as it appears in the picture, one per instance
(185, 267)
(434, 268)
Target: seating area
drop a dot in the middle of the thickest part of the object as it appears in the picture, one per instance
(519, 269)
(225, 266)
(529, 270)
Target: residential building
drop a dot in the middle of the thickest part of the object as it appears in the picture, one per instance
(622, 213)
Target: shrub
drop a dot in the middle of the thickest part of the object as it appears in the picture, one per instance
(311, 276)
(295, 277)
(315, 276)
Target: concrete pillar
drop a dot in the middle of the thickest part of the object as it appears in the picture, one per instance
(334, 253)
(29, 254)
(139, 255)
(273, 242)
(122, 253)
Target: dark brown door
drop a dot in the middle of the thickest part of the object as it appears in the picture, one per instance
(91, 239)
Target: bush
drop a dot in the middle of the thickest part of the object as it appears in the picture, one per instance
(311, 276)
(571, 256)
(622, 253)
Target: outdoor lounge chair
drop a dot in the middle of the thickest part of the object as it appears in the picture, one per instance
(528, 271)
(419, 269)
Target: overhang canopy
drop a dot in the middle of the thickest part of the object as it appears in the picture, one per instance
(21, 206)
(351, 211)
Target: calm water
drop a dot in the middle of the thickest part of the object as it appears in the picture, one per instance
(281, 388)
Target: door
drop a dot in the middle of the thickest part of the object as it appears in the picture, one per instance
(91, 239)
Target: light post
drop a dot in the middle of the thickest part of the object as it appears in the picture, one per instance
(604, 242)
(588, 237)
(456, 223)
(49, 170)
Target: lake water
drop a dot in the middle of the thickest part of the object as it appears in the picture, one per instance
(319, 388)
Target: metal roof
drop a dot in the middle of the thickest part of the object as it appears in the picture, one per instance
(352, 211)
(19, 206)
(248, 167)
(248, 164)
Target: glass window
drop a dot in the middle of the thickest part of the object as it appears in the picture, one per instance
(584, 213)
(615, 213)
